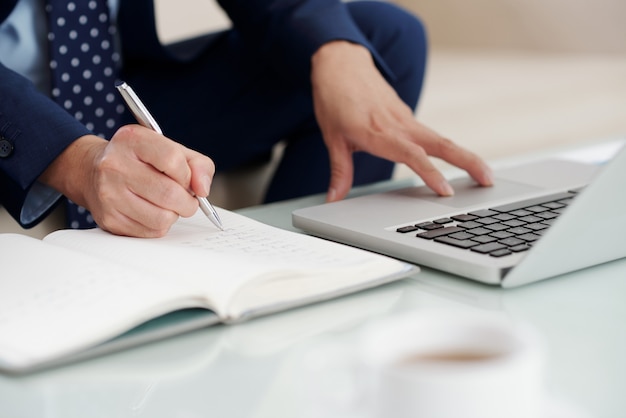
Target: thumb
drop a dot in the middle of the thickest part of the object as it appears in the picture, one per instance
(341, 173)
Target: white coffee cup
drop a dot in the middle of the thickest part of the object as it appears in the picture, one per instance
(435, 365)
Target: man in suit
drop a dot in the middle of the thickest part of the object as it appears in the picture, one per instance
(338, 82)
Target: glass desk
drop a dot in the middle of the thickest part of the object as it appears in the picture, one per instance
(255, 369)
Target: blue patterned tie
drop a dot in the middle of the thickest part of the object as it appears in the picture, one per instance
(84, 64)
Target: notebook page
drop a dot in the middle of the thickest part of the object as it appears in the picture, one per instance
(223, 262)
(52, 301)
(255, 242)
(213, 276)
(311, 268)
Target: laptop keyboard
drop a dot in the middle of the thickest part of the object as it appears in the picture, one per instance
(498, 231)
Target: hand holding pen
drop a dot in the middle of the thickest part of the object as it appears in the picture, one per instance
(145, 119)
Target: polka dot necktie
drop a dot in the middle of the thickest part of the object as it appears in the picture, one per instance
(83, 61)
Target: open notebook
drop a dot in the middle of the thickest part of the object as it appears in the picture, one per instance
(540, 220)
(80, 293)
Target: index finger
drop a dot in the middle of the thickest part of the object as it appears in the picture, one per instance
(445, 149)
(162, 153)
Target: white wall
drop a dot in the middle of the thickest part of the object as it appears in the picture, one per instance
(550, 25)
(186, 18)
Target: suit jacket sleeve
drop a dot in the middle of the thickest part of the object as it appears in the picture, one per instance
(288, 32)
(36, 131)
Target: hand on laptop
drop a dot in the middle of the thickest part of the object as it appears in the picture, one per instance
(357, 110)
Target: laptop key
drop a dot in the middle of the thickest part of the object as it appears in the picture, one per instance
(487, 248)
(537, 209)
(519, 230)
(479, 231)
(512, 242)
(439, 232)
(500, 253)
(554, 205)
(533, 202)
(487, 220)
(483, 213)
(529, 237)
(513, 223)
(530, 219)
(460, 243)
(470, 225)
(536, 227)
(501, 234)
(461, 235)
(405, 229)
(519, 248)
(483, 239)
(497, 227)
(521, 212)
(548, 215)
(428, 226)
(504, 216)
(463, 218)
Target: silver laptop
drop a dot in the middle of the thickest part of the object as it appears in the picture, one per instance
(540, 220)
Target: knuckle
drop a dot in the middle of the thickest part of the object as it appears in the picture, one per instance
(156, 233)
(173, 162)
(189, 210)
(446, 147)
(107, 222)
(156, 226)
(414, 153)
(126, 133)
(169, 162)
(106, 194)
(163, 223)
(109, 164)
(171, 195)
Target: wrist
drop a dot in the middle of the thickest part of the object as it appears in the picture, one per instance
(340, 49)
(71, 172)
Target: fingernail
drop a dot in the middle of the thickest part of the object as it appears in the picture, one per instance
(330, 196)
(488, 177)
(206, 183)
(446, 189)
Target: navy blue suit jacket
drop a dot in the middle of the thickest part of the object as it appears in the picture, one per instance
(36, 130)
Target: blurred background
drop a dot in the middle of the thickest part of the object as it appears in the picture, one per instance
(505, 76)
(512, 76)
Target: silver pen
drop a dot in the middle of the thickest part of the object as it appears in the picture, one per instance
(145, 119)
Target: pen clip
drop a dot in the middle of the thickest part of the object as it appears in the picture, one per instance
(137, 108)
